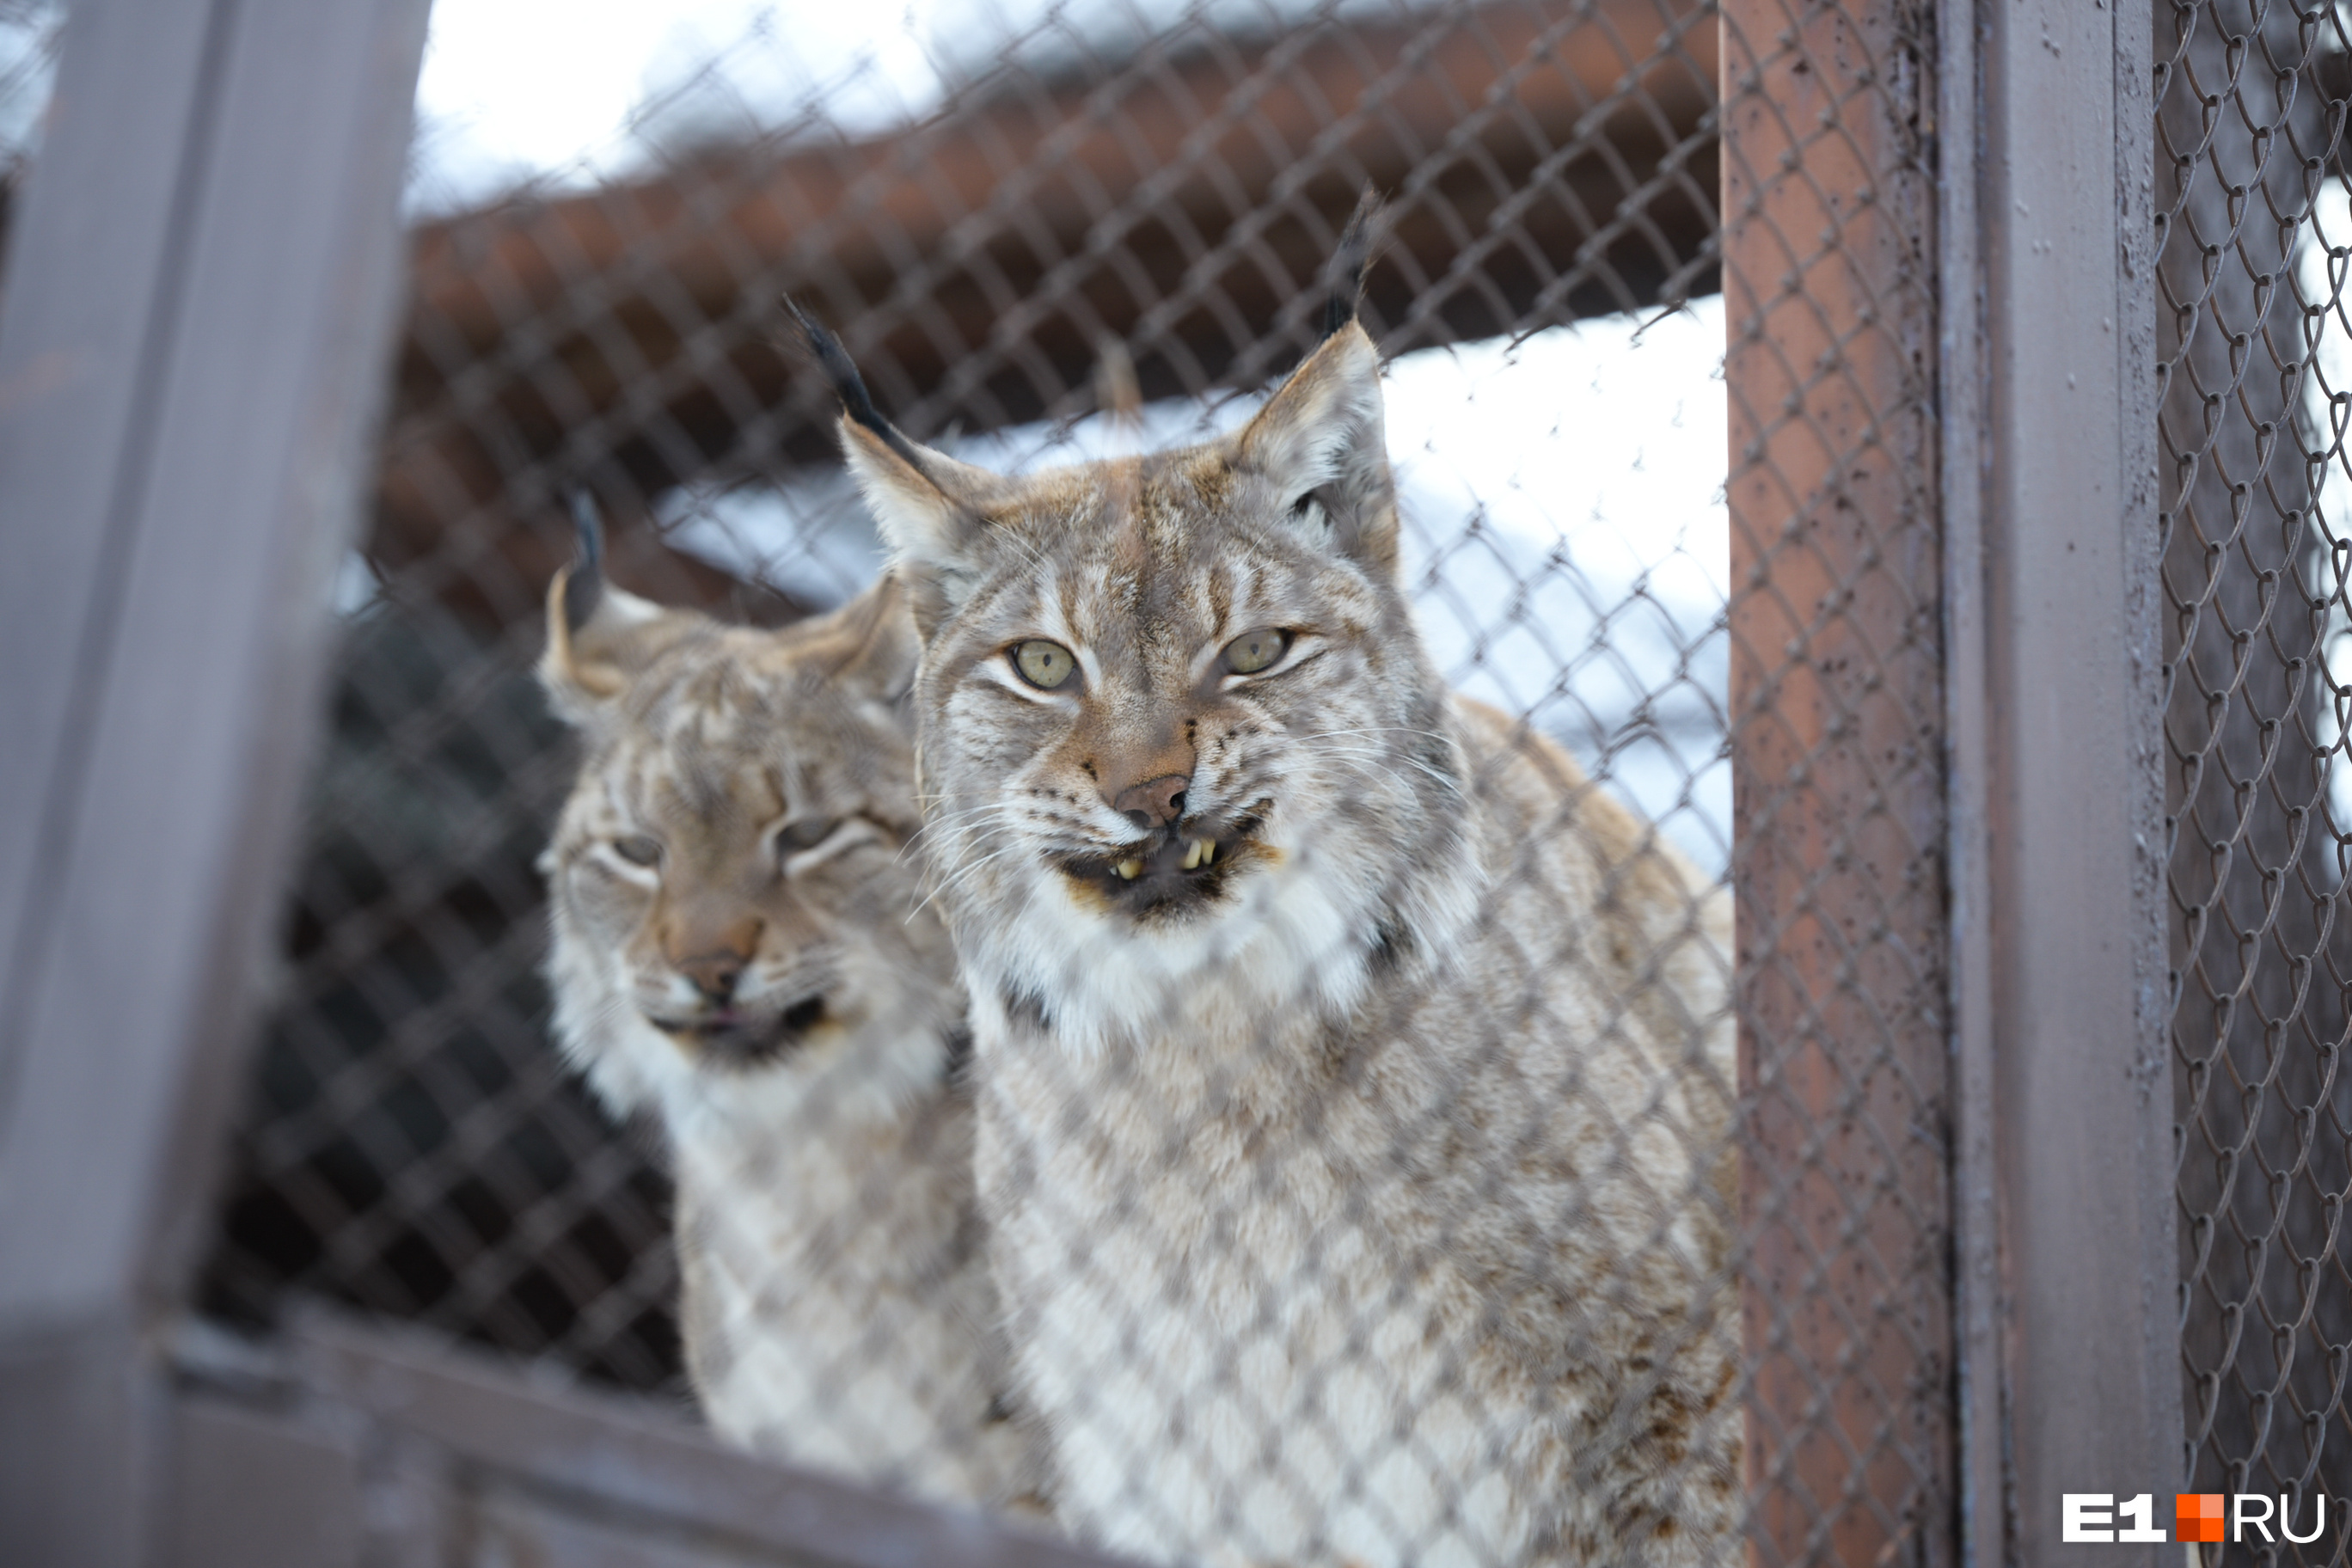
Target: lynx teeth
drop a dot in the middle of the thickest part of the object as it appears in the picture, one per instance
(1128, 870)
(1198, 852)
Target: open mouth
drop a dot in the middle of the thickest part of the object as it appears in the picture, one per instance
(737, 1039)
(1181, 867)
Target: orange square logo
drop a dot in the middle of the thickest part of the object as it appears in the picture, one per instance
(2199, 1516)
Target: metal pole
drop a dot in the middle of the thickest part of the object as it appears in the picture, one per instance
(1839, 767)
(2067, 1246)
(192, 344)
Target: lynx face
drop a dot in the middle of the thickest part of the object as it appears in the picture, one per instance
(1173, 713)
(730, 887)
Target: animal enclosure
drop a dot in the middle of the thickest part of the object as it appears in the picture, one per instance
(1777, 393)
(414, 1128)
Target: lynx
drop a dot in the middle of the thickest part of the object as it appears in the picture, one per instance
(738, 952)
(1354, 1077)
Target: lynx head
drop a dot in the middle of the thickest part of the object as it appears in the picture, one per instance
(731, 903)
(1184, 748)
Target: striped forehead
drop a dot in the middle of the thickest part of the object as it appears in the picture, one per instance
(688, 776)
(708, 745)
(1129, 548)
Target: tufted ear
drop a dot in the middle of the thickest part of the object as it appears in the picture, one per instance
(877, 650)
(928, 506)
(1321, 438)
(1322, 442)
(600, 637)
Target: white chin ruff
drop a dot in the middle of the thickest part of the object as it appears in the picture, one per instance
(1292, 938)
(874, 1073)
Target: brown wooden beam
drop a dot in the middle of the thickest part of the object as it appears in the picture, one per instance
(1543, 161)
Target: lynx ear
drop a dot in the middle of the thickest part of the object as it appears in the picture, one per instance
(599, 637)
(926, 504)
(1321, 440)
(880, 648)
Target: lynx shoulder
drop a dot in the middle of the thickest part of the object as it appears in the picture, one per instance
(1354, 1076)
(739, 954)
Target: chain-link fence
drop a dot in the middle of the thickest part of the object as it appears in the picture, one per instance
(1838, 682)
(1454, 1232)
(2257, 382)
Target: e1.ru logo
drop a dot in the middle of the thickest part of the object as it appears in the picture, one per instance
(2093, 1516)
(2199, 1515)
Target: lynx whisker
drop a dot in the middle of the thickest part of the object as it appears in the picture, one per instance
(965, 873)
(1388, 765)
(937, 827)
(1371, 730)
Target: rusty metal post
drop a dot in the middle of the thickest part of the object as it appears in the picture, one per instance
(1837, 734)
(1947, 695)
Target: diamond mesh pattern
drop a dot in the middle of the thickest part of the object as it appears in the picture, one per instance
(1837, 686)
(2258, 370)
(977, 226)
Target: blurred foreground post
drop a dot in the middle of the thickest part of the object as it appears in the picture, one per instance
(198, 307)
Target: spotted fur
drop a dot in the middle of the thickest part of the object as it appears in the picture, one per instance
(740, 954)
(1358, 1182)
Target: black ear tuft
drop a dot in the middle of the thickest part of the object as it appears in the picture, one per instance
(1348, 264)
(848, 385)
(585, 585)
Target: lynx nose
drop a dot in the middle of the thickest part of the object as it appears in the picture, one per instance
(1155, 802)
(713, 973)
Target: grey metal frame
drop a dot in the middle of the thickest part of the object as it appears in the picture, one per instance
(188, 371)
(2067, 1261)
(342, 1442)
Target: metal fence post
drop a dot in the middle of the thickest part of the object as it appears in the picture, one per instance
(1837, 745)
(191, 345)
(2068, 1260)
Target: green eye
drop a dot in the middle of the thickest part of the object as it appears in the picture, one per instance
(1253, 651)
(1044, 665)
(637, 849)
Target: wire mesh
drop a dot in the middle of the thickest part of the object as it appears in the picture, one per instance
(1578, 1284)
(2252, 221)
(1837, 686)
